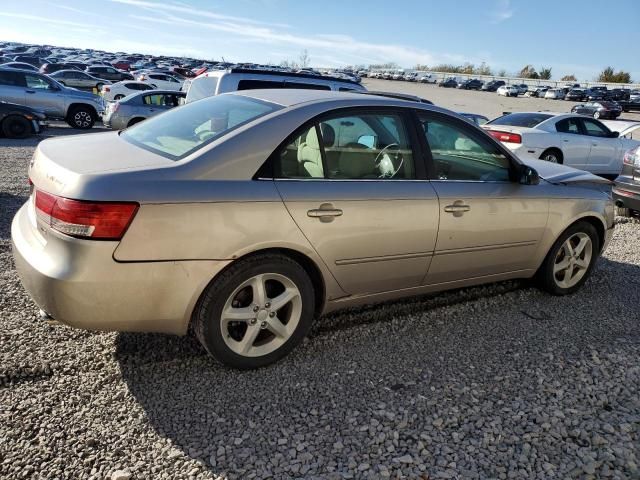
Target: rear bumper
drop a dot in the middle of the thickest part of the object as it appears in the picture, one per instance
(626, 194)
(78, 283)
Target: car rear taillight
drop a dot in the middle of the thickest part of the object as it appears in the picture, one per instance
(84, 219)
(505, 136)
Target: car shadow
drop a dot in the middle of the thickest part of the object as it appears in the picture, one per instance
(57, 130)
(424, 358)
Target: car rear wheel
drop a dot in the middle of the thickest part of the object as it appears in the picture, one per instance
(256, 312)
(570, 260)
(81, 117)
(552, 155)
(15, 126)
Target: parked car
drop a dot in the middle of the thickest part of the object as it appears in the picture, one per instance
(617, 94)
(121, 64)
(108, 73)
(576, 94)
(184, 72)
(427, 78)
(570, 139)
(537, 92)
(19, 66)
(471, 84)
(411, 77)
(493, 85)
(230, 80)
(19, 121)
(119, 90)
(449, 83)
(78, 79)
(522, 88)
(633, 104)
(508, 91)
(598, 109)
(78, 109)
(30, 59)
(135, 108)
(210, 206)
(397, 76)
(49, 68)
(160, 80)
(555, 94)
(626, 189)
(592, 95)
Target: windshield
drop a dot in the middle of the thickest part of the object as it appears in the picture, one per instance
(201, 87)
(528, 120)
(181, 131)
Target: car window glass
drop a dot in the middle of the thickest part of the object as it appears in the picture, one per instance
(257, 84)
(301, 157)
(367, 146)
(35, 82)
(594, 128)
(461, 155)
(568, 125)
(15, 79)
(157, 100)
(306, 86)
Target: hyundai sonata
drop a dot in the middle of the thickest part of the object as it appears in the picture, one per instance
(246, 216)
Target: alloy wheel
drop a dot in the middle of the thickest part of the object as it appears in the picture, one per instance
(82, 119)
(572, 260)
(551, 157)
(261, 315)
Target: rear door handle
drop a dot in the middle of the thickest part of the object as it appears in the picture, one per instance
(326, 213)
(30, 91)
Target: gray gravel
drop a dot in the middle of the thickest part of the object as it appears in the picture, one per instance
(500, 381)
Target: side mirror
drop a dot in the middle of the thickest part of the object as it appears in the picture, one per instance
(528, 176)
(615, 134)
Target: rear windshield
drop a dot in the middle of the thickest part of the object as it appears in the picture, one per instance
(527, 120)
(183, 130)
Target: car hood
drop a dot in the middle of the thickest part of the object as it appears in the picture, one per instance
(21, 108)
(561, 174)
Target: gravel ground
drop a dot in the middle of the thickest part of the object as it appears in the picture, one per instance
(500, 381)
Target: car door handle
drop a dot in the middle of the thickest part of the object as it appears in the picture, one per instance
(30, 91)
(326, 213)
(458, 208)
(594, 144)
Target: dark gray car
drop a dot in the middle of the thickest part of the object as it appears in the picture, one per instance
(135, 108)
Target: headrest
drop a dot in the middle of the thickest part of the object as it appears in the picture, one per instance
(328, 135)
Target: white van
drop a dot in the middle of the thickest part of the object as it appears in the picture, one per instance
(231, 80)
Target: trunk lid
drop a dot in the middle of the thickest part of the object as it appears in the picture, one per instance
(61, 162)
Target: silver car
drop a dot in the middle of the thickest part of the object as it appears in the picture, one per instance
(246, 216)
(139, 106)
(78, 79)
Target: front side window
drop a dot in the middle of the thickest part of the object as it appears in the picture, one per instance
(462, 155)
(352, 147)
(13, 79)
(181, 131)
(36, 82)
(595, 129)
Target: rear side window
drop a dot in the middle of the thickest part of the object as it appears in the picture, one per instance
(14, 79)
(528, 120)
(181, 131)
(258, 84)
(201, 88)
(568, 125)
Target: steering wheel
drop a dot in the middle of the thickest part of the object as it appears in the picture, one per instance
(384, 157)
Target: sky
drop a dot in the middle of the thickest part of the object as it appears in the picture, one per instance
(569, 36)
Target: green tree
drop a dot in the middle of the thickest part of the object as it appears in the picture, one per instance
(528, 72)
(483, 69)
(545, 73)
(610, 76)
(569, 78)
(502, 73)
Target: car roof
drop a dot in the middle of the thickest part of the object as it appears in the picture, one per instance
(278, 73)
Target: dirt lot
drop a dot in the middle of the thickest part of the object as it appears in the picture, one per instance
(501, 381)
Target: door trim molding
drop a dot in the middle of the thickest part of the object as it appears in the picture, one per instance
(483, 248)
(384, 258)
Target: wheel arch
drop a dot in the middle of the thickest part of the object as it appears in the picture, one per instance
(308, 264)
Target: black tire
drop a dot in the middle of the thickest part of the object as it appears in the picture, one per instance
(545, 276)
(81, 117)
(207, 313)
(15, 126)
(133, 121)
(118, 97)
(550, 153)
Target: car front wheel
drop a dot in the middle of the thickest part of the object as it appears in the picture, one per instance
(570, 260)
(15, 126)
(256, 311)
